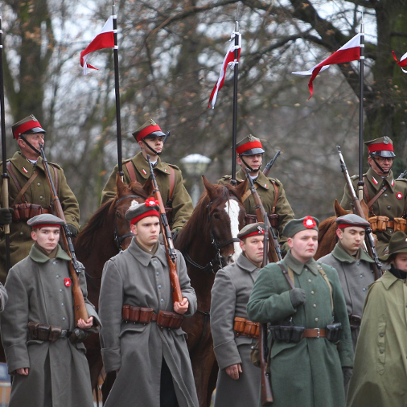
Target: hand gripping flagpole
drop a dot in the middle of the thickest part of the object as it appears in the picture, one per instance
(117, 93)
(361, 79)
(236, 35)
(4, 175)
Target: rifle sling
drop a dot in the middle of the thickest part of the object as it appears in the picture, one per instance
(370, 202)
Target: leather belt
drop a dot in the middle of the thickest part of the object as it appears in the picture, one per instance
(314, 333)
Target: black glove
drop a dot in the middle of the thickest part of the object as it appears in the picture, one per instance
(6, 216)
(347, 374)
(297, 297)
(78, 335)
(72, 230)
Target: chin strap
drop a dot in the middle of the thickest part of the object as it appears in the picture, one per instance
(247, 165)
(380, 168)
(150, 148)
(30, 145)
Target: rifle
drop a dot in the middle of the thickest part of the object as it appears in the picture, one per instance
(168, 242)
(268, 166)
(403, 174)
(357, 209)
(74, 267)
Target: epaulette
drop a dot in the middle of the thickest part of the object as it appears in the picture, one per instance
(127, 160)
(275, 180)
(57, 166)
(173, 166)
(401, 179)
(226, 177)
(353, 177)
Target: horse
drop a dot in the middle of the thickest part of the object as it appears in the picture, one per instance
(106, 232)
(209, 242)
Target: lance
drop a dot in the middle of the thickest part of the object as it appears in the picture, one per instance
(4, 175)
(361, 79)
(117, 93)
(237, 37)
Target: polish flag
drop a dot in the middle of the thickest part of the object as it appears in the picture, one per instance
(403, 61)
(228, 61)
(103, 40)
(349, 52)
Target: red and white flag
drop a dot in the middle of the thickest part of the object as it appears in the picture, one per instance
(403, 61)
(228, 61)
(103, 40)
(349, 52)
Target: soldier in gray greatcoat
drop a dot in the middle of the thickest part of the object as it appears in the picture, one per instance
(41, 339)
(141, 337)
(353, 265)
(233, 334)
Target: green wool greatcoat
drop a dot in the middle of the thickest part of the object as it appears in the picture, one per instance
(308, 373)
(38, 193)
(266, 191)
(380, 374)
(59, 371)
(392, 203)
(142, 279)
(181, 201)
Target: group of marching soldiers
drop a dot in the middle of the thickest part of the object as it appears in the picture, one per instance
(336, 336)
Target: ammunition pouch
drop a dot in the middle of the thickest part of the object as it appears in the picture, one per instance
(287, 333)
(77, 336)
(400, 224)
(140, 315)
(44, 332)
(23, 212)
(334, 332)
(244, 327)
(273, 219)
(354, 321)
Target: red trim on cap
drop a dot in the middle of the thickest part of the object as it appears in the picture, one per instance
(309, 222)
(248, 146)
(153, 212)
(23, 128)
(46, 225)
(380, 147)
(347, 225)
(147, 130)
(253, 234)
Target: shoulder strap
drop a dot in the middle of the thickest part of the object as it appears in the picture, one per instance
(375, 198)
(325, 277)
(130, 169)
(247, 193)
(288, 276)
(275, 201)
(172, 182)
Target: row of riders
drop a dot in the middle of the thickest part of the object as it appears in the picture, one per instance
(314, 322)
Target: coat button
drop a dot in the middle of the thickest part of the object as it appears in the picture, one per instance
(361, 276)
(60, 290)
(315, 305)
(62, 304)
(312, 292)
(381, 334)
(381, 351)
(309, 280)
(157, 273)
(364, 288)
(63, 318)
(159, 286)
(57, 276)
(389, 207)
(41, 197)
(38, 183)
(162, 299)
(316, 319)
(385, 194)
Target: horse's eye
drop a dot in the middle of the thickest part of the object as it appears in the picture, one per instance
(216, 216)
(118, 215)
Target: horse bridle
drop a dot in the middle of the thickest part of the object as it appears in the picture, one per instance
(218, 260)
(117, 238)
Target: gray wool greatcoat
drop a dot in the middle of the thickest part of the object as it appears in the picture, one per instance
(355, 276)
(230, 295)
(138, 278)
(59, 371)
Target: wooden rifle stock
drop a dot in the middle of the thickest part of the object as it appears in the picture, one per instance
(357, 209)
(167, 237)
(74, 268)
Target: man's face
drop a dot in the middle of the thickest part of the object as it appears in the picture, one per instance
(46, 237)
(252, 247)
(385, 162)
(351, 238)
(156, 143)
(253, 161)
(35, 139)
(400, 261)
(304, 245)
(147, 231)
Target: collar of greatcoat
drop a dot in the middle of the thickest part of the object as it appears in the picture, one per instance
(389, 180)
(297, 266)
(145, 258)
(388, 279)
(244, 263)
(343, 256)
(40, 257)
(143, 168)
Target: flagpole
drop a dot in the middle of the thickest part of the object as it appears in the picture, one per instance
(361, 79)
(4, 175)
(237, 37)
(117, 93)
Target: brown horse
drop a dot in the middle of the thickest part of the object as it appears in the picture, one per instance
(208, 242)
(104, 235)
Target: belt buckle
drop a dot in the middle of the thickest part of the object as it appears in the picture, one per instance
(64, 333)
(319, 333)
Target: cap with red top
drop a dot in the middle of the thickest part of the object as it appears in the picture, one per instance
(138, 211)
(382, 147)
(253, 229)
(149, 129)
(45, 220)
(249, 146)
(297, 225)
(26, 126)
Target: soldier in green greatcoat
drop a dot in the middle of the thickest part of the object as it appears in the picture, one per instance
(169, 177)
(384, 195)
(29, 192)
(271, 191)
(309, 361)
